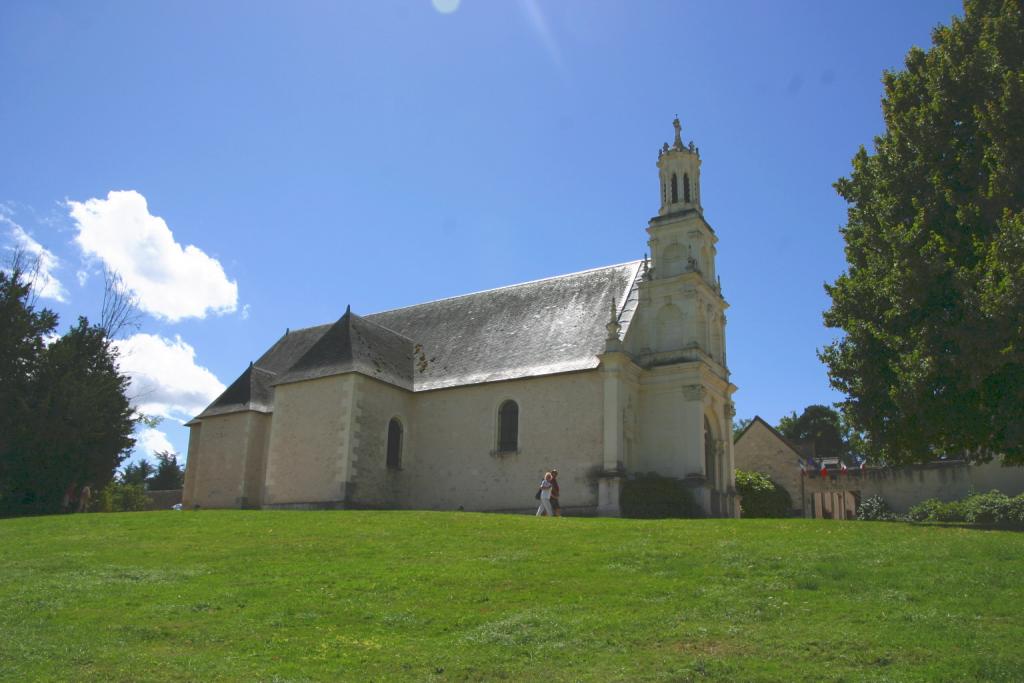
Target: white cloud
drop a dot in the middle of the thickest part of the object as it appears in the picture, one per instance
(83, 277)
(45, 283)
(165, 379)
(245, 312)
(171, 281)
(150, 441)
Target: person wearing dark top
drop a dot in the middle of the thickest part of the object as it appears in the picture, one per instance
(555, 507)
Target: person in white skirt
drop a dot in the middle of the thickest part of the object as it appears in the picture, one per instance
(545, 496)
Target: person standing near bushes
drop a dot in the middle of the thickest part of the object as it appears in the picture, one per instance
(555, 493)
(545, 496)
(83, 498)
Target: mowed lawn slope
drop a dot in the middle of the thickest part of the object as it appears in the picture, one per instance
(249, 595)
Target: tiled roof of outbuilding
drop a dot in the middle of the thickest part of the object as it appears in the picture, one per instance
(536, 328)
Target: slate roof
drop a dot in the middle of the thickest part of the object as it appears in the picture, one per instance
(354, 344)
(537, 328)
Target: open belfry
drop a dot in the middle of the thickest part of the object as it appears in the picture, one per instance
(464, 402)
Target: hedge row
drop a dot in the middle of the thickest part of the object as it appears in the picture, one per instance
(992, 509)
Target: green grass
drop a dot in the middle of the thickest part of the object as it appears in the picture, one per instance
(294, 596)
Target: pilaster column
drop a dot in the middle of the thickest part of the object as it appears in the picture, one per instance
(613, 366)
(693, 429)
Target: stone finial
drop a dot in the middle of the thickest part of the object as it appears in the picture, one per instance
(612, 342)
(678, 142)
(348, 308)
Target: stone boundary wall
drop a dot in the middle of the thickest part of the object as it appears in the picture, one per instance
(163, 500)
(904, 487)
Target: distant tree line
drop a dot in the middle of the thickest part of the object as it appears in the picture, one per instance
(167, 475)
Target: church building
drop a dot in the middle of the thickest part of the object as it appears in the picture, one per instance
(464, 403)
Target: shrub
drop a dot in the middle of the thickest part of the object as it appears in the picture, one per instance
(953, 511)
(875, 509)
(1016, 511)
(654, 497)
(118, 497)
(926, 510)
(987, 509)
(761, 497)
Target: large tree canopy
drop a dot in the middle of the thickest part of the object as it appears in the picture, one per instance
(64, 418)
(932, 302)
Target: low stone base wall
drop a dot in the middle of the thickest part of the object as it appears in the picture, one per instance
(163, 500)
(904, 487)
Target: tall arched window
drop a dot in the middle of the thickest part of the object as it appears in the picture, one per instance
(508, 426)
(686, 188)
(394, 444)
(675, 189)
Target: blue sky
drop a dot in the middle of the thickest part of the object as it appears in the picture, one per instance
(272, 163)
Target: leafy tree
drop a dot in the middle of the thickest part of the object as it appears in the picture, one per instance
(169, 474)
(762, 497)
(137, 474)
(23, 331)
(64, 417)
(819, 424)
(932, 302)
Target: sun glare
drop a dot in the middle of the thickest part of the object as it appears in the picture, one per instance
(446, 6)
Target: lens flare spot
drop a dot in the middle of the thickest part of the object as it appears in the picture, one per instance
(446, 6)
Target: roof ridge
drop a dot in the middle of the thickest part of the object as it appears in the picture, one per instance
(364, 319)
(518, 284)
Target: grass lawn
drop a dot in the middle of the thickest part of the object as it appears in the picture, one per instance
(294, 596)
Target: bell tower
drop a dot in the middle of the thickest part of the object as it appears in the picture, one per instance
(675, 344)
(679, 170)
(681, 241)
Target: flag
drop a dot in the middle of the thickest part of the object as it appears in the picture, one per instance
(863, 464)
(803, 469)
(824, 471)
(842, 468)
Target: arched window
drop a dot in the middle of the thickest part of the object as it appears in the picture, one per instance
(394, 444)
(686, 188)
(675, 189)
(508, 426)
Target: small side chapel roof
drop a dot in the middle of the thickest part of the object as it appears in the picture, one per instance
(537, 328)
(354, 344)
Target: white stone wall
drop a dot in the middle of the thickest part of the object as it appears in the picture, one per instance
(372, 483)
(216, 477)
(310, 442)
(452, 452)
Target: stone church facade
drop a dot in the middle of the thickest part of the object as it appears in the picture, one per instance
(463, 403)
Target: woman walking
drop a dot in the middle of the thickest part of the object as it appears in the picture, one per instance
(545, 496)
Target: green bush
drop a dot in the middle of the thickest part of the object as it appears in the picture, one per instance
(118, 497)
(1016, 511)
(987, 509)
(926, 510)
(875, 509)
(761, 497)
(654, 497)
(953, 511)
